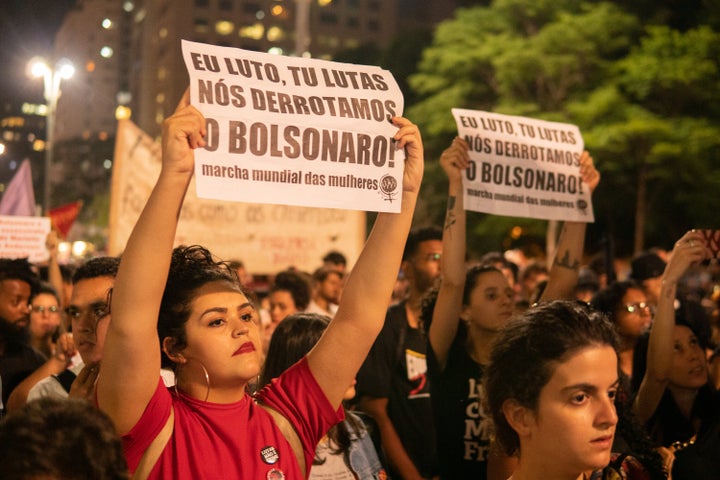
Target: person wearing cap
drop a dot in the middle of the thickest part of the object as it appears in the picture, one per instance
(646, 269)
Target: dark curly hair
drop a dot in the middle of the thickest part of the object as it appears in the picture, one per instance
(191, 267)
(527, 351)
(19, 269)
(60, 438)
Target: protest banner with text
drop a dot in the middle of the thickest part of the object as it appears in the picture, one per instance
(295, 131)
(267, 238)
(24, 237)
(523, 167)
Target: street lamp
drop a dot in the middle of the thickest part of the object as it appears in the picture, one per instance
(63, 70)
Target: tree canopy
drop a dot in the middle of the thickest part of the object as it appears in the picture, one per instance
(645, 96)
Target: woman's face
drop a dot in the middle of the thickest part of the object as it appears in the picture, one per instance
(491, 302)
(44, 315)
(631, 324)
(281, 305)
(689, 365)
(223, 334)
(574, 424)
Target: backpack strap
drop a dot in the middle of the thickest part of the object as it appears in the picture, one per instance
(152, 454)
(290, 435)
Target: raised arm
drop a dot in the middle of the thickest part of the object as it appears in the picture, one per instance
(568, 257)
(689, 250)
(130, 368)
(454, 160)
(339, 354)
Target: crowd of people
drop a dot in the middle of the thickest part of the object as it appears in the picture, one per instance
(415, 363)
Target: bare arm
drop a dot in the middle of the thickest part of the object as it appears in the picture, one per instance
(454, 160)
(129, 372)
(54, 274)
(568, 257)
(338, 355)
(688, 250)
(64, 350)
(391, 443)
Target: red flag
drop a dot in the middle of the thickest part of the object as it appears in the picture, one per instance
(62, 218)
(19, 197)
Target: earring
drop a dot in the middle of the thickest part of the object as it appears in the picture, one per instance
(205, 373)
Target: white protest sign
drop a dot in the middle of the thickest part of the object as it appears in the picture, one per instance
(295, 131)
(523, 167)
(24, 237)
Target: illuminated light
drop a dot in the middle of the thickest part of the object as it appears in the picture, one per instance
(64, 247)
(324, 3)
(38, 68)
(107, 164)
(103, 136)
(90, 66)
(122, 113)
(13, 165)
(79, 248)
(162, 73)
(2, 148)
(128, 6)
(65, 68)
(106, 52)
(254, 32)
(277, 10)
(107, 24)
(259, 14)
(38, 145)
(516, 232)
(275, 34)
(224, 27)
(160, 98)
(276, 51)
(163, 32)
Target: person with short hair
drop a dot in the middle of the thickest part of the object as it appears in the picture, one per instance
(327, 285)
(392, 384)
(17, 358)
(52, 438)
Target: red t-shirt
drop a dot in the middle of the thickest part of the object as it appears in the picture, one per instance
(237, 440)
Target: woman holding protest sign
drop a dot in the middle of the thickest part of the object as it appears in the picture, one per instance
(183, 308)
(465, 316)
(675, 401)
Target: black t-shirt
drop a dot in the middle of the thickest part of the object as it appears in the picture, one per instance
(461, 424)
(17, 363)
(396, 369)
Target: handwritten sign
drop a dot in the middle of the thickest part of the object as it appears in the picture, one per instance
(295, 131)
(523, 167)
(24, 237)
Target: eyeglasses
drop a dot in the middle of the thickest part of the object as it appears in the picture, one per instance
(637, 307)
(42, 308)
(98, 311)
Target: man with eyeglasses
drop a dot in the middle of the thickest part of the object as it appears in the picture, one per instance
(17, 358)
(89, 314)
(392, 385)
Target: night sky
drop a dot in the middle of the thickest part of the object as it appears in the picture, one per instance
(27, 29)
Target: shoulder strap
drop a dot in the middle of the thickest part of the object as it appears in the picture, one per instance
(290, 435)
(152, 454)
